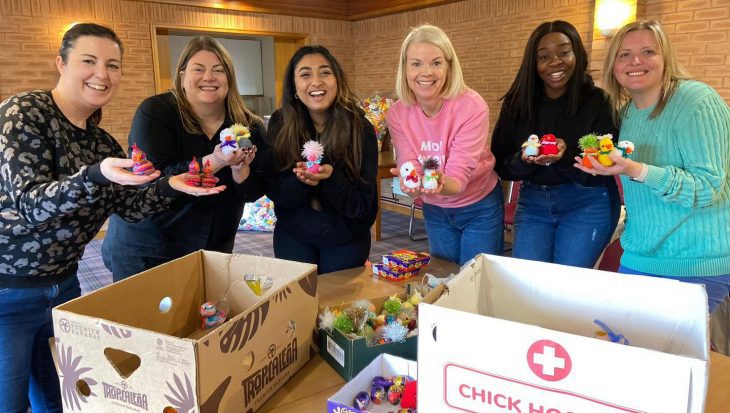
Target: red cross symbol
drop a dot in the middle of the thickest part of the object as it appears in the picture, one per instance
(549, 360)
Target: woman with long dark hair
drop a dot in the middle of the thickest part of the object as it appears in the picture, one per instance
(563, 215)
(324, 217)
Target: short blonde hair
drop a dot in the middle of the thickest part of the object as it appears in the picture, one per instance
(673, 71)
(454, 84)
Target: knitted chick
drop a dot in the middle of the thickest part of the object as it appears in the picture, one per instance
(192, 178)
(142, 166)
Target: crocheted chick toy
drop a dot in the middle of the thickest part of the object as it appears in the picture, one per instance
(430, 173)
(208, 180)
(626, 148)
(549, 145)
(242, 135)
(531, 146)
(228, 141)
(409, 175)
(312, 152)
(605, 149)
(192, 178)
(213, 314)
(589, 145)
(142, 166)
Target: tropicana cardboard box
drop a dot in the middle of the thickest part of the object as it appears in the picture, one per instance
(137, 345)
(518, 336)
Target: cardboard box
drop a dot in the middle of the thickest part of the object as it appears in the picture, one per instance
(514, 335)
(382, 365)
(348, 356)
(135, 345)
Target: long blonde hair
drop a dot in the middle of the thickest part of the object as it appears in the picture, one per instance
(673, 71)
(454, 84)
(235, 108)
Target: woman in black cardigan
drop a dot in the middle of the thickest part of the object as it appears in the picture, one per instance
(323, 218)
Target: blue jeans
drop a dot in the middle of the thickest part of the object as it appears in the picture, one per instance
(459, 234)
(329, 258)
(717, 286)
(28, 373)
(565, 224)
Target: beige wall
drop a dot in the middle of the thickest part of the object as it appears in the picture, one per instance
(489, 37)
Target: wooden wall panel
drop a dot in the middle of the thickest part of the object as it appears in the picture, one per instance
(328, 9)
(359, 9)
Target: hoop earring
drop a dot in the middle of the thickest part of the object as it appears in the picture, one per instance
(296, 96)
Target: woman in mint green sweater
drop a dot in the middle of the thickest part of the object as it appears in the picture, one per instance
(676, 188)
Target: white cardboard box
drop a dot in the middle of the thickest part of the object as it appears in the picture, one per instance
(383, 365)
(117, 351)
(512, 335)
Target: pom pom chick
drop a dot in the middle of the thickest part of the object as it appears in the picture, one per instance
(409, 175)
(531, 146)
(312, 151)
(430, 173)
(549, 145)
(606, 147)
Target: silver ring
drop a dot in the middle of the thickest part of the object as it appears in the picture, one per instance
(547, 163)
(196, 194)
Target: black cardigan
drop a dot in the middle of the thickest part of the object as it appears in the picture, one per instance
(348, 208)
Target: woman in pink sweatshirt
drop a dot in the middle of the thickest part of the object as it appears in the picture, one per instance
(438, 116)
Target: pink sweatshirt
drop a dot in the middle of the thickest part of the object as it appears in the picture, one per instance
(457, 135)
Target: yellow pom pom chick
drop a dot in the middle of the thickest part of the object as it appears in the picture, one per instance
(606, 147)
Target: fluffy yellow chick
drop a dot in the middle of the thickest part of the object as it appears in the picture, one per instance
(606, 145)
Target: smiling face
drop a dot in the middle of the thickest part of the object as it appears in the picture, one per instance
(426, 71)
(92, 72)
(316, 84)
(555, 63)
(639, 67)
(205, 80)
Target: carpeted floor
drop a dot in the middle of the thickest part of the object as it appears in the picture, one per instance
(93, 274)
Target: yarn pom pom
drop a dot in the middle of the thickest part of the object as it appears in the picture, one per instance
(312, 149)
(344, 324)
(431, 163)
(410, 395)
(326, 319)
(358, 315)
(392, 305)
(395, 332)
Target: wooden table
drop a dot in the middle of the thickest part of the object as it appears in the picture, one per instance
(310, 388)
(386, 160)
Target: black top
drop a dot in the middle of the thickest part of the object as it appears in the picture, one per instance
(594, 115)
(192, 223)
(348, 208)
(53, 196)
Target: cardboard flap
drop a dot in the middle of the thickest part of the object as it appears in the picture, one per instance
(165, 301)
(225, 272)
(664, 315)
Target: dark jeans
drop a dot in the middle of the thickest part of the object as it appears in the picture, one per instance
(329, 258)
(717, 286)
(459, 234)
(565, 224)
(26, 365)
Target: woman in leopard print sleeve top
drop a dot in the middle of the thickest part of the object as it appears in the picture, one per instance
(61, 177)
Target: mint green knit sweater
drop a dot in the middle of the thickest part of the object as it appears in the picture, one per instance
(678, 220)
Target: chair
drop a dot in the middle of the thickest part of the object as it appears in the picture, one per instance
(611, 258)
(417, 204)
(510, 205)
